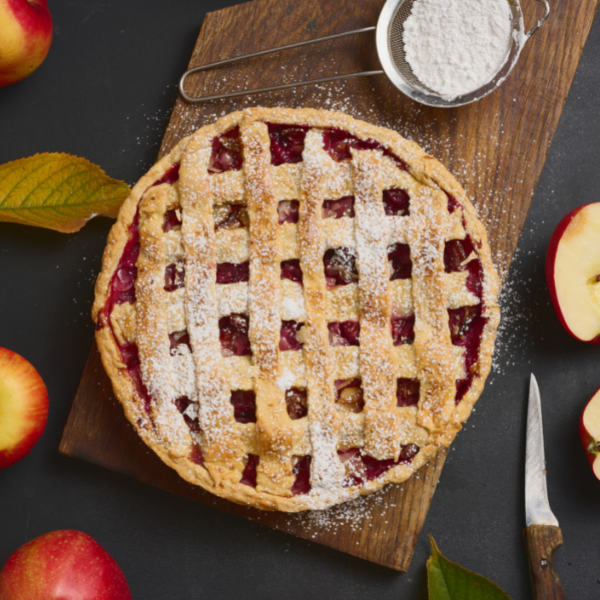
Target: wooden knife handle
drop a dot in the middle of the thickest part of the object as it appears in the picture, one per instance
(540, 543)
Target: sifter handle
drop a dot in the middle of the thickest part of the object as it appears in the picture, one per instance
(276, 87)
(540, 21)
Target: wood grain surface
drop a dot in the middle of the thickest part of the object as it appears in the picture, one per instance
(496, 148)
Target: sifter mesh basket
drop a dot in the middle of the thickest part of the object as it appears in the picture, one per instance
(390, 49)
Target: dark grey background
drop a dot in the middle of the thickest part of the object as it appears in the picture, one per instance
(105, 92)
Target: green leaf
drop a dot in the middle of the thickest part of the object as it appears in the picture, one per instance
(449, 581)
(57, 191)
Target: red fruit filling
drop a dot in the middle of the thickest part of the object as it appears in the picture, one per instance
(179, 338)
(287, 143)
(131, 358)
(344, 333)
(350, 397)
(182, 403)
(194, 426)
(171, 176)
(233, 272)
(288, 339)
(396, 203)
(302, 472)
(296, 403)
(122, 285)
(466, 327)
(196, 455)
(336, 209)
(461, 322)
(376, 468)
(249, 473)
(462, 387)
(233, 334)
(340, 267)
(230, 216)
(360, 467)
(455, 254)
(407, 392)
(288, 211)
(244, 406)
(401, 265)
(172, 220)
(338, 143)
(403, 330)
(452, 202)
(290, 269)
(353, 465)
(174, 276)
(226, 152)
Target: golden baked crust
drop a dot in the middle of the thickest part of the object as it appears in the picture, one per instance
(214, 451)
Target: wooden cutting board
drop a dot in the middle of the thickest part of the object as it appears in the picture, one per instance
(496, 148)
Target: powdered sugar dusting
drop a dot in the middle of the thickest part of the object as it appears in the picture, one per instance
(352, 515)
(286, 380)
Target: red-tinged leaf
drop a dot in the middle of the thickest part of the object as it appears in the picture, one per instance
(447, 580)
(57, 191)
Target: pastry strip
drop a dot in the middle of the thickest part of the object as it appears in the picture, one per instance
(377, 364)
(435, 354)
(274, 470)
(326, 469)
(221, 448)
(152, 323)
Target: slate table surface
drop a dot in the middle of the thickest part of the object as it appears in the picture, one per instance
(105, 92)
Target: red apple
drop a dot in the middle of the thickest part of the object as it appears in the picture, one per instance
(23, 407)
(573, 272)
(25, 37)
(62, 565)
(589, 432)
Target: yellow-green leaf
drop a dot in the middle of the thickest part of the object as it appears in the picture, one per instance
(447, 580)
(57, 191)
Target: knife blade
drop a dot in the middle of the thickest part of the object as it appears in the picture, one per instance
(537, 506)
(542, 533)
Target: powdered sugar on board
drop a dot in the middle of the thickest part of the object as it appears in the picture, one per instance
(352, 514)
(455, 47)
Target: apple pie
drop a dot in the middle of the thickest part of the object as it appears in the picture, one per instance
(296, 308)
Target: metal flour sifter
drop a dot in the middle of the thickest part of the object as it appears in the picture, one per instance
(390, 50)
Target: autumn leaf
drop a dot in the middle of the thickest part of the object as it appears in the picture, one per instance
(57, 191)
(447, 580)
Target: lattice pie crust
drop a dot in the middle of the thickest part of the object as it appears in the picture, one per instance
(296, 308)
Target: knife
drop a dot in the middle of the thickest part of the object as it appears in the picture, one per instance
(542, 534)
